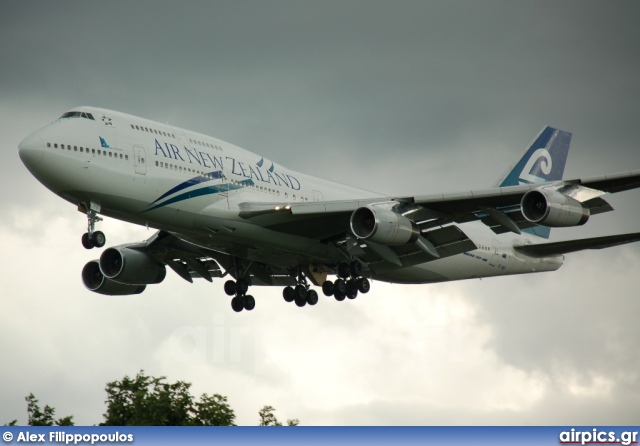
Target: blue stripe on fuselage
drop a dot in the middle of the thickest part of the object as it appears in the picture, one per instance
(191, 182)
(208, 190)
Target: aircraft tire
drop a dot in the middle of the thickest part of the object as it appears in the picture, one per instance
(230, 288)
(343, 270)
(289, 294)
(327, 288)
(339, 296)
(86, 242)
(355, 268)
(98, 239)
(339, 286)
(242, 286)
(300, 292)
(363, 285)
(301, 301)
(237, 304)
(312, 297)
(249, 302)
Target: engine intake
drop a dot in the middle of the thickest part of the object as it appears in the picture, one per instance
(131, 267)
(553, 209)
(383, 226)
(95, 281)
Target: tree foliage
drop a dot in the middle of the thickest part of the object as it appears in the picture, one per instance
(149, 401)
(268, 418)
(44, 417)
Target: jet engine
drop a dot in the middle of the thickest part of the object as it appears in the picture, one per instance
(95, 281)
(132, 267)
(383, 226)
(553, 209)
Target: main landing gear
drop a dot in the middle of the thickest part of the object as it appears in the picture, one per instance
(92, 238)
(348, 283)
(300, 294)
(242, 300)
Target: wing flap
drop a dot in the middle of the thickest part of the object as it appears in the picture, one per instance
(565, 247)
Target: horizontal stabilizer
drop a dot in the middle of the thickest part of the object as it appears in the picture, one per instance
(557, 248)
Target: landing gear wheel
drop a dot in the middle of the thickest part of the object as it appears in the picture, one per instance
(249, 302)
(289, 294)
(339, 296)
(230, 288)
(339, 287)
(312, 297)
(98, 239)
(352, 289)
(363, 285)
(355, 268)
(242, 286)
(86, 241)
(343, 270)
(300, 292)
(301, 301)
(327, 288)
(237, 304)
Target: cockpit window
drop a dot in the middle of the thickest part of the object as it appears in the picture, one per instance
(77, 114)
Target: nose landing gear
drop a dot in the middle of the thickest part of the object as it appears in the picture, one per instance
(92, 238)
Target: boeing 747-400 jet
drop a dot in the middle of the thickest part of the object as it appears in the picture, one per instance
(224, 212)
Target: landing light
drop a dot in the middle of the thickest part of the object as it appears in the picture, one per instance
(277, 208)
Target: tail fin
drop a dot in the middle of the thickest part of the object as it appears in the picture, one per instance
(543, 161)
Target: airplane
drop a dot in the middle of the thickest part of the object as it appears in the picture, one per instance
(223, 212)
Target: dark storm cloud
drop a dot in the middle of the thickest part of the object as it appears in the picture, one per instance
(398, 97)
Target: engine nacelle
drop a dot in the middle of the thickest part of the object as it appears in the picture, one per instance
(131, 267)
(383, 226)
(553, 209)
(95, 281)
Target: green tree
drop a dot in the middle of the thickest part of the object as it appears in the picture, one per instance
(268, 418)
(149, 401)
(45, 417)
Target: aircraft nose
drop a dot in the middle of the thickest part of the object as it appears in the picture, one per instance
(31, 150)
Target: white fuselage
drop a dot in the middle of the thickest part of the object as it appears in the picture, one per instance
(191, 185)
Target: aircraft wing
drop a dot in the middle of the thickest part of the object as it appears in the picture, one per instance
(190, 261)
(565, 247)
(498, 208)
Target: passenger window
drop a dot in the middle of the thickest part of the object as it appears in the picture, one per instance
(126, 157)
(55, 146)
(93, 151)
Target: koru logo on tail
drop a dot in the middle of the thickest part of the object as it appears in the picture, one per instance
(526, 177)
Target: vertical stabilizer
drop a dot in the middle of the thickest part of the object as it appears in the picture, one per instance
(543, 161)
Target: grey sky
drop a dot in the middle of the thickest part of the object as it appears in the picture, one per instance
(399, 97)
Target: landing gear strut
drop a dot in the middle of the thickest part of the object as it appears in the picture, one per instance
(92, 238)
